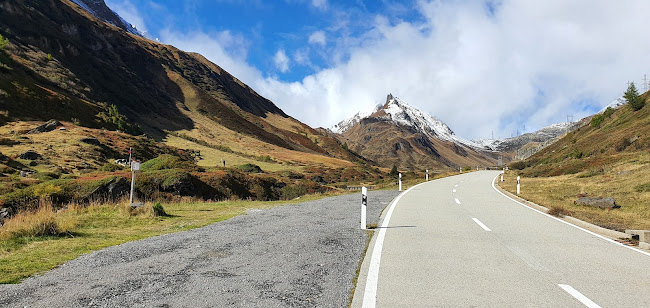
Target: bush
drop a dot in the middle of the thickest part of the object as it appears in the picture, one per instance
(291, 192)
(250, 168)
(3, 42)
(597, 120)
(167, 161)
(518, 165)
(393, 172)
(110, 167)
(158, 209)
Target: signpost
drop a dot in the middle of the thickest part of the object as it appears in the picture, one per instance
(135, 166)
(400, 181)
(364, 204)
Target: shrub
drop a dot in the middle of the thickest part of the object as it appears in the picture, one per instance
(167, 161)
(518, 165)
(293, 191)
(597, 120)
(250, 168)
(110, 167)
(158, 210)
(3, 42)
(393, 172)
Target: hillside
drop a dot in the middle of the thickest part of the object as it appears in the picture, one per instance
(398, 134)
(607, 156)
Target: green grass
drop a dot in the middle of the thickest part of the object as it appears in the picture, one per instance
(101, 226)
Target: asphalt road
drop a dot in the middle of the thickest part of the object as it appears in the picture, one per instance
(303, 255)
(457, 242)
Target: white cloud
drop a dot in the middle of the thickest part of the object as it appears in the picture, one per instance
(317, 37)
(321, 4)
(281, 61)
(529, 63)
(129, 12)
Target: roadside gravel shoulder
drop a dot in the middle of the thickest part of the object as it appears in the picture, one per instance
(301, 255)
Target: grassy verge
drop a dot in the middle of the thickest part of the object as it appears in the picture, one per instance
(627, 182)
(83, 230)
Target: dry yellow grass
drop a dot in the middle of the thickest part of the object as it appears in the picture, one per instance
(624, 181)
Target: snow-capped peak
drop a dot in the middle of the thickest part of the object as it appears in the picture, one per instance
(614, 104)
(403, 114)
(344, 125)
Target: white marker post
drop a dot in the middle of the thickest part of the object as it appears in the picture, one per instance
(400, 181)
(135, 166)
(502, 172)
(426, 178)
(461, 169)
(364, 204)
(518, 186)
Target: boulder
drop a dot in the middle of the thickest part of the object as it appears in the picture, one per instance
(92, 141)
(5, 213)
(30, 155)
(47, 127)
(111, 191)
(603, 203)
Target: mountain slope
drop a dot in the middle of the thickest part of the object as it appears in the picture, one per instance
(63, 62)
(398, 134)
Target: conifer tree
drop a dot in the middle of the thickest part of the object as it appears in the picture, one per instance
(632, 97)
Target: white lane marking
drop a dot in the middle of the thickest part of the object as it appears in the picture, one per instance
(457, 201)
(478, 222)
(453, 190)
(568, 223)
(370, 292)
(583, 299)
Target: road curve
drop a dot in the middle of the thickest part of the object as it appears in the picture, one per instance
(457, 242)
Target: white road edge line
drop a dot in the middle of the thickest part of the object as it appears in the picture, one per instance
(370, 292)
(457, 201)
(568, 223)
(478, 222)
(575, 293)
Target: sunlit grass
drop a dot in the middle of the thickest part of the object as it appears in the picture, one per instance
(623, 181)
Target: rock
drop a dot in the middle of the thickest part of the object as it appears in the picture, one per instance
(31, 155)
(47, 127)
(603, 203)
(92, 141)
(5, 213)
(111, 191)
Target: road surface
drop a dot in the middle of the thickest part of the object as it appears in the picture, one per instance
(457, 242)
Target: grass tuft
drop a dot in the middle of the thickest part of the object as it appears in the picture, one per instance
(39, 223)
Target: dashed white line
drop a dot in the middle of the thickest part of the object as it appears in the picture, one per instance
(583, 299)
(478, 222)
(457, 201)
(453, 190)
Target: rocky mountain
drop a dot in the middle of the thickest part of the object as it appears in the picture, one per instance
(80, 62)
(103, 12)
(399, 134)
(540, 136)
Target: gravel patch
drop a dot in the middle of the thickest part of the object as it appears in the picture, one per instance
(302, 255)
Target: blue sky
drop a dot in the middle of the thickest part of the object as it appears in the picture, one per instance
(478, 65)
